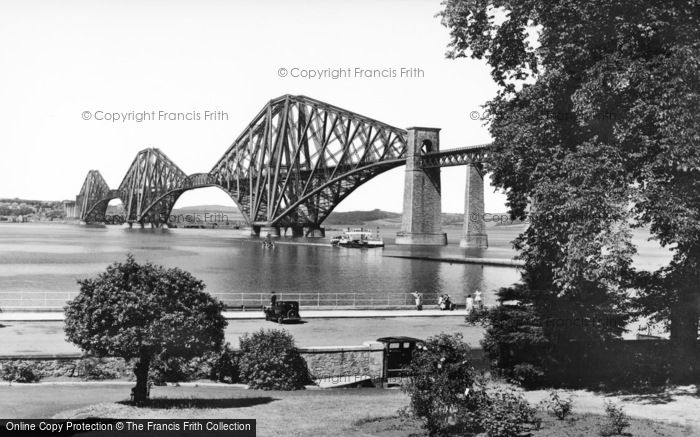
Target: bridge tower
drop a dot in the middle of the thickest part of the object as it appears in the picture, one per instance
(474, 226)
(422, 210)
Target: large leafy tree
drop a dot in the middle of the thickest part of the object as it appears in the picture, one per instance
(596, 127)
(140, 311)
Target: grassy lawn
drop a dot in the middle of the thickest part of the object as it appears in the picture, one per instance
(299, 413)
(352, 412)
(581, 425)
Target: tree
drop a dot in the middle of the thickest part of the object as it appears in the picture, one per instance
(596, 126)
(140, 311)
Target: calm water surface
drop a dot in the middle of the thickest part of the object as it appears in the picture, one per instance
(40, 263)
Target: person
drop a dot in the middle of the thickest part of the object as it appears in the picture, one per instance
(273, 299)
(449, 305)
(419, 300)
(478, 300)
(470, 304)
(442, 302)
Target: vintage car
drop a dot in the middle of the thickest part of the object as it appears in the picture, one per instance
(283, 311)
(399, 352)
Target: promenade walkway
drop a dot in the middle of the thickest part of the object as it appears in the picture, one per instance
(256, 314)
(46, 337)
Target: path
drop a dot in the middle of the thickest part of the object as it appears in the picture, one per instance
(41, 338)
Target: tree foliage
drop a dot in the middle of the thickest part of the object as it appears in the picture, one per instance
(596, 127)
(139, 311)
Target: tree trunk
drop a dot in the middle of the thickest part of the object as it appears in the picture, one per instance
(140, 391)
(684, 334)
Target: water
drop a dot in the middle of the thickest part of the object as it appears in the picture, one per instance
(40, 263)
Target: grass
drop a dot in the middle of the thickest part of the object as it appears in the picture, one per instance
(579, 425)
(305, 412)
(347, 412)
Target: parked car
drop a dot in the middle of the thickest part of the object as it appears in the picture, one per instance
(283, 311)
(399, 352)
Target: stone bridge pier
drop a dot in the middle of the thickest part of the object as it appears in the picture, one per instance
(422, 211)
(422, 222)
(474, 234)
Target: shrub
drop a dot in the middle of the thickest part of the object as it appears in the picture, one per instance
(221, 365)
(96, 369)
(514, 339)
(440, 373)
(477, 317)
(617, 420)
(503, 413)
(557, 406)
(19, 372)
(269, 360)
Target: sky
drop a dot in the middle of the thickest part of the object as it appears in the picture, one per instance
(66, 66)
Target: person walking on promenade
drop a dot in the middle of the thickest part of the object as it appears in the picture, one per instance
(419, 300)
(470, 304)
(478, 300)
(273, 299)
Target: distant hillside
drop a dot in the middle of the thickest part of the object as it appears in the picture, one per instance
(360, 217)
(207, 213)
(210, 208)
(381, 218)
(375, 217)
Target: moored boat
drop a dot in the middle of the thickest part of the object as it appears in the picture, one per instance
(358, 238)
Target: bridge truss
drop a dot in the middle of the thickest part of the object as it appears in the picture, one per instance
(291, 166)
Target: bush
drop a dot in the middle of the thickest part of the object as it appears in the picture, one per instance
(96, 369)
(450, 398)
(219, 366)
(20, 372)
(514, 339)
(617, 420)
(440, 374)
(223, 366)
(502, 413)
(269, 360)
(557, 406)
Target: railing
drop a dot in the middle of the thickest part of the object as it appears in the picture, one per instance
(10, 300)
(38, 300)
(329, 300)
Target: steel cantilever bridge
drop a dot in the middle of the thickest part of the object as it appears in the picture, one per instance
(290, 167)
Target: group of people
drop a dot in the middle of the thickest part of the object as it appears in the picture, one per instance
(445, 302)
(476, 302)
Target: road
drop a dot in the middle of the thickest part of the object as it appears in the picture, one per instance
(39, 338)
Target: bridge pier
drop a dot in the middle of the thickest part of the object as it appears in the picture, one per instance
(272, 231)
(421, 224)
(297, 231)
(316, 232)
(474, 224)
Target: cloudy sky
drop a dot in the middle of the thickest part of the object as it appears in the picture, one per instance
(66, 61)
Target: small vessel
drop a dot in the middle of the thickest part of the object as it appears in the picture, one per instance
(358, 238)
(268, 243)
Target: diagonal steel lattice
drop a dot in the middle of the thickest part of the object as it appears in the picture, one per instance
(291, 166)
(94, 196)
(300, 157)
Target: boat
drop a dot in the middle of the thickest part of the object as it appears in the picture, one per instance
(358, 238)
(268, 243)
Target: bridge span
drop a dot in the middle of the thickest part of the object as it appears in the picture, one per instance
(293, 164)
